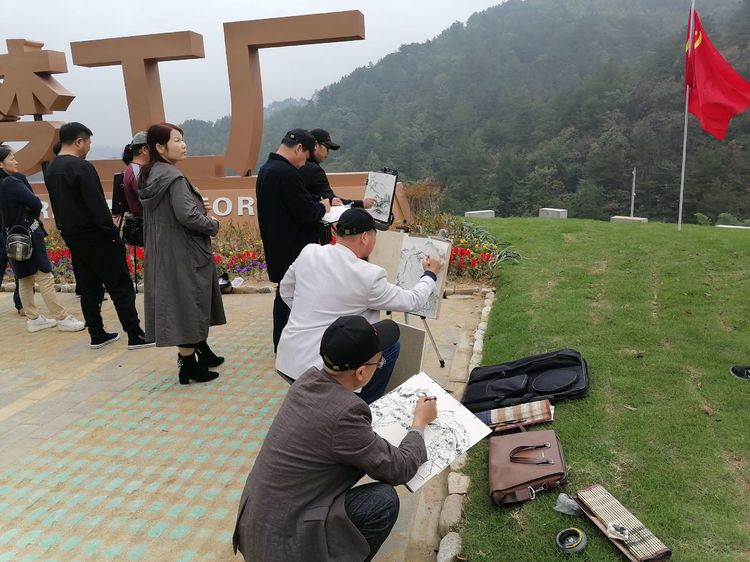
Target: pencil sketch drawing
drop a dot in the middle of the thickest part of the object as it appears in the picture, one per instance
(409, 271)
(453, 432)
(380, 187)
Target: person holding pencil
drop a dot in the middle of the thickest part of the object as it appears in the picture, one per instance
(300, 502)
(288, 216)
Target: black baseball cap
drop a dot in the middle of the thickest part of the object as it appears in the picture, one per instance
(356, 221)
(351, 340)
(324, 137)
(301, 136)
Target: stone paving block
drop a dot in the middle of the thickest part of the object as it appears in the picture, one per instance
(49, 388)
(18, 434)
(53, 426)
(15, 407)
(450, 515)
(11, 396)
(19, 449)
(458, 483)
(14, 421)
(450, 548)
(125, 381)
(460, 462)
(53, 411)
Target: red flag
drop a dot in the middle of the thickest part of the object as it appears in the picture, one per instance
(717, 91)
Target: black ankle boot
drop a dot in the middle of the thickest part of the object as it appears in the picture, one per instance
(191, 370)
(206, 356)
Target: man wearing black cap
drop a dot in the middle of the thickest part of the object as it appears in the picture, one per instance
(351, 286)
(299, 503)
(288, 215)
(315, 177)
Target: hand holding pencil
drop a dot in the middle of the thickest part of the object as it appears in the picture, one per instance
(425, 411)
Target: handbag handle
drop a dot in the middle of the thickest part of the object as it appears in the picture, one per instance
(526, 460)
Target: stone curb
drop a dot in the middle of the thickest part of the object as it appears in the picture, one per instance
(458, 482)
(464, 290)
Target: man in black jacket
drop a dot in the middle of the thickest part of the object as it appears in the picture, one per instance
(315, 177)
(288, 215)
(85, 223)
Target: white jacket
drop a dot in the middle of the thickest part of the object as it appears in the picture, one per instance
(326, 282)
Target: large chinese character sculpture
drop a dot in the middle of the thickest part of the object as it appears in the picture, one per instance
(28, 88)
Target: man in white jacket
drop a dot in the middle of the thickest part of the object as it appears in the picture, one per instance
(326, 282)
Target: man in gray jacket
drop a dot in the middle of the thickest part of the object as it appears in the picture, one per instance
(299, 503)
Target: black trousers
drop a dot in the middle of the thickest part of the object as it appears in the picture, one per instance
(281, 314)
(99, 263)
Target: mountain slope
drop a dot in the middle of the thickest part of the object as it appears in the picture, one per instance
(540, 103)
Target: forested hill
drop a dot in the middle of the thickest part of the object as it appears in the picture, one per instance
(544, 103)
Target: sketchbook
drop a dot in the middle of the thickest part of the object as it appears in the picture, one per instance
(453, 433)
(334, 214)
(380, 186)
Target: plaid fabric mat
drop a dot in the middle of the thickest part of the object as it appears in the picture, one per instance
(641, 544)
(530, 413)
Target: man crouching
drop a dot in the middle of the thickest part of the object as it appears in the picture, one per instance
(299, 501)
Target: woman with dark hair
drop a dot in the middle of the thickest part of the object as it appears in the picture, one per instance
(182, 297)
(19, 211)
(134, 156)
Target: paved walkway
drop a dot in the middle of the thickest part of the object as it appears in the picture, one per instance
(104, 456)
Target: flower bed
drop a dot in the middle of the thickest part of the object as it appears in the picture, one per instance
(475, 252)
(237, 250)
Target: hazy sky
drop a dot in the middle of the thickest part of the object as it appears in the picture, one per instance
(199, 88)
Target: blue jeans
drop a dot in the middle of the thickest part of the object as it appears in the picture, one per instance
(373, 508)
(379, 381)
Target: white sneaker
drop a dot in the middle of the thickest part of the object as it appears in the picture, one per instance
(40, 323)
(70, 324)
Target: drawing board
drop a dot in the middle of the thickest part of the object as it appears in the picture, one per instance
(413, 250)
(410, 359)
(387, 252)
(381, 187)
(453, 433)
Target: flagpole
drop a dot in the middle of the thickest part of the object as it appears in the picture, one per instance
(690, 42)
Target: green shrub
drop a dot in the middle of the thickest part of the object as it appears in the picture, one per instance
(728, 219)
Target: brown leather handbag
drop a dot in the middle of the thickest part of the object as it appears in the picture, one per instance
(524, 464)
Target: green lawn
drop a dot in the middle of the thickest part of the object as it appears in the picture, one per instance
(660, 316)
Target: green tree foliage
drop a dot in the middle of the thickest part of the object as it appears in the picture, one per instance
(541, 103)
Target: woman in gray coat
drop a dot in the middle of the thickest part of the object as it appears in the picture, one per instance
(182, 297)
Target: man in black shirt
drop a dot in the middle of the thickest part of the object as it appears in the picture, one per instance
(288, 216)
(315, 177)
(86, 226)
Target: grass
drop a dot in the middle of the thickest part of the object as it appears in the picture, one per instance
(660, 316)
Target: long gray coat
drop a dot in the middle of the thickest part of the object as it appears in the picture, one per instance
(182, 297)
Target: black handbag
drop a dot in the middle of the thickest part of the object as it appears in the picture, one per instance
(132, 230)
(18, 245)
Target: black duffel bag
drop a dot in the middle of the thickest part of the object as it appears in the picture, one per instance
(550, 376)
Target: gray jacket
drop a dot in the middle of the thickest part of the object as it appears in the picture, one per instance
(182, 297)
(319, 445)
